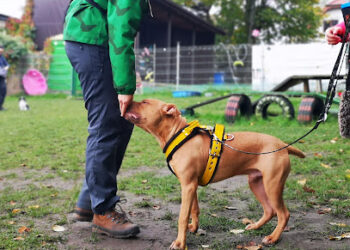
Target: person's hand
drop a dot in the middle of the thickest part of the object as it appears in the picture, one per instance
(334, 35)
(124, 102)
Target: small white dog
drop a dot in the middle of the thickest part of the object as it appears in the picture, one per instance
(22, 103)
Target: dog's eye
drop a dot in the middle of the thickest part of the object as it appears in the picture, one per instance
(145, 102)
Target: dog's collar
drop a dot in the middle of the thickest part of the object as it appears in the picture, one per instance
(217, 135)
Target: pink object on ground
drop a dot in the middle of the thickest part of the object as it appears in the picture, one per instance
(34, 82)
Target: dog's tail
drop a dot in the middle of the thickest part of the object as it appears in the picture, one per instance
(294, 151)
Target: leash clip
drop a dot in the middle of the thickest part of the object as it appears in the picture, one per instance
(325, 117)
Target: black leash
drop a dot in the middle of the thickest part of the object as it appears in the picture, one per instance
(333, 81)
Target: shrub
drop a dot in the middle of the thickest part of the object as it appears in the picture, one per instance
(14, 50)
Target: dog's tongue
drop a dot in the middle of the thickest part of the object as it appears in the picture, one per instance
(132, 117)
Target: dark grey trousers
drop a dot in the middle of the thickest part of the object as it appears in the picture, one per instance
(3, 91)
(109, 133)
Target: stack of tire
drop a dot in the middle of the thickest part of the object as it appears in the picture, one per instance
(310, 108)
(240, 105)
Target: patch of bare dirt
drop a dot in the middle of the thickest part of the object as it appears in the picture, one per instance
(20, 179)
(307, 229)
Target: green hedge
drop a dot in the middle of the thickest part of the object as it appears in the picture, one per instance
(14, 50)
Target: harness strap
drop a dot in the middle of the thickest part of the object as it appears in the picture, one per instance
(217, 135)
(214, 154)
(178, 140)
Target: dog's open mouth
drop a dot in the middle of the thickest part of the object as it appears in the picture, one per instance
(132, 117)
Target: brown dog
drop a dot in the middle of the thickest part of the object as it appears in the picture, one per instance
(267, 174)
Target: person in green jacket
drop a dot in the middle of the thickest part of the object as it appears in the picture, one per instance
(99, 37)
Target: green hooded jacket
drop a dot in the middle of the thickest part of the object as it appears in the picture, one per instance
(115, 28)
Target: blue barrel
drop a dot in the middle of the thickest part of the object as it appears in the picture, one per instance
(219, 78)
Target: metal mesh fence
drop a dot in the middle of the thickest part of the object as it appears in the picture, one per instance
(219, 64)
(196, 68)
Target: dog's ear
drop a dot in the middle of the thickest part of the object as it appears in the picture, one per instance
(170, 110)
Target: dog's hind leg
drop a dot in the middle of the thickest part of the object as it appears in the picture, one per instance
(255, 180)
(274, 183)
(193, 227)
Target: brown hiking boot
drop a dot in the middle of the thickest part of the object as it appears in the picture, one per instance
(114, 224)
(81, 214)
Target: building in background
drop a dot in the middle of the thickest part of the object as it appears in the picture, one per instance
(333, 13)
(3, 19)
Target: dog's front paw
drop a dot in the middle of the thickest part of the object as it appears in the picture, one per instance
(269, 240)
(192, 228)
(177, 245)
(252, 226)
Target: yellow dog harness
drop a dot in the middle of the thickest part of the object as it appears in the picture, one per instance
(217, 135)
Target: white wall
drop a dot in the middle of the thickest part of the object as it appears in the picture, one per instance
(273, 64)
(12, 8)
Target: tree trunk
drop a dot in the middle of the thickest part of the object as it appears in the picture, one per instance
(249, 18)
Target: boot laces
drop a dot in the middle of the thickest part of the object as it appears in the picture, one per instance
(118, 215)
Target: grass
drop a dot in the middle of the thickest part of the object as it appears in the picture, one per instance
(46, 145)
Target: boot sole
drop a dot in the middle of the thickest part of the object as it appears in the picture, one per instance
(132, 233)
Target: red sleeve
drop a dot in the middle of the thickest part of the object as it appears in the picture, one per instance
(342, 26)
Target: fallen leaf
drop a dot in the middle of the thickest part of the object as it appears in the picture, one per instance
(12, 203)
(347, 176)
(333, 141)
(347, 171)
(302, 182)
(333, 200)
(65, 171)
(247, 221)
(23, 229)
(252, 124)
(319, 155)
(237, 231)
(144, 181)
(23, 165)
(205, 246)
(53, 195)
(338, 224)
(341, 150)
(325, 165)
(343, 236)
(253, 247)
(16, 210)
(239, 247)
(214, 215)
(155, 207)
(34, 207)
(301, 141)
(308, 190)
(324, 210)
(58, 228)
(18, 238)
(11, 222)
(335, 237)
(230, 208)
(201, 232)
(346, 235)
